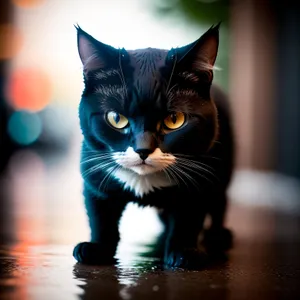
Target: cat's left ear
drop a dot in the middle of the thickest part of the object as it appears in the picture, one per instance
(201, 54)
(94, 54)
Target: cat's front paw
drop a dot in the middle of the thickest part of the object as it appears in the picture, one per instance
(217, 240)
(188, 258)
(92, 253)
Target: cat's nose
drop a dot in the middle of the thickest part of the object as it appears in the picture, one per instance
(143, 153)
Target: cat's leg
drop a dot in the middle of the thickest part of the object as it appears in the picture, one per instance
(104, 216)
(184, 226)
(162, 237)
(217, 239)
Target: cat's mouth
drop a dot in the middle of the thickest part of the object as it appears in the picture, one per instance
(143, 168)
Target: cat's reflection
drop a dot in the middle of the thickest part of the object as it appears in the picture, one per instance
(116, 282)
(133, 272)
(138, 274)
(97, 281)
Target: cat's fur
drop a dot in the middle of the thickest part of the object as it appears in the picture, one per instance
(183, 172)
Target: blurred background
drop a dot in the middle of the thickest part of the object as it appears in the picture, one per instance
(41, 83)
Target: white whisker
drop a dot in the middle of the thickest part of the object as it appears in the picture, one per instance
(172, 174)
(194, 162)
(177, 172)
(191, 164)
(194, 171)
(107, 177)
(97, 167)
(90, 159)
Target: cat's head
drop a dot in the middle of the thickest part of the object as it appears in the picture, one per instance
(148, 107)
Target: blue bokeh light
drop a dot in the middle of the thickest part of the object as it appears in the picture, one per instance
(24, 127)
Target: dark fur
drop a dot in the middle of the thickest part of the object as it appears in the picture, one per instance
(145, 85)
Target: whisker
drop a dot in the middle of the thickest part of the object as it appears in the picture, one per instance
(96, 156)
(192, 180)
(90, 159)
(188, 167)
(171, 89)
(167, 174)
(182, 155)
(171, 174)
(212, 157)
(162, 162)
(193, 156)
(195, 162)
(177, 171)
(107, 177)
(97, 167)
(198, 167)
(97, 152)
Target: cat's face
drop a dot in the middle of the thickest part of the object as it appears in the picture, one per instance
(148, 110)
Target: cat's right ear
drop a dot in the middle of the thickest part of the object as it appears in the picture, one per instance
(201, 54)
(94, 54)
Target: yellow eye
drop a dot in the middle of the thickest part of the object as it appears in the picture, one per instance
(117, 120)
(174, 120)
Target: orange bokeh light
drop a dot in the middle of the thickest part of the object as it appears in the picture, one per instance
(29, 89)
(10, 41)
(27, 3)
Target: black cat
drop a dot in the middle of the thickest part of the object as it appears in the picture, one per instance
(156, 132)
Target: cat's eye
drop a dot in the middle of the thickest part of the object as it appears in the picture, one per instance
(116, 120)
(174, 120)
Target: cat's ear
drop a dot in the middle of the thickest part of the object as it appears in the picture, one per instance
(94, 54)
(201, 54)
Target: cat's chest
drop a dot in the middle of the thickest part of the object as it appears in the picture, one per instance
(145, 184)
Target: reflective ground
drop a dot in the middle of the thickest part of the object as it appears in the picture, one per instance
(42, 218)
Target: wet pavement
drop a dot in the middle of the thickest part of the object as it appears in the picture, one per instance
(42, 218)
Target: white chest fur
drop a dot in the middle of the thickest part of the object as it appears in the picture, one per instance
(142, 184)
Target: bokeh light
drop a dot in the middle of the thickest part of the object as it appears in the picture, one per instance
(10, 41)
(27, 3)
(29, 89)
(24, 127)
(27, 191)
(59, 125)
